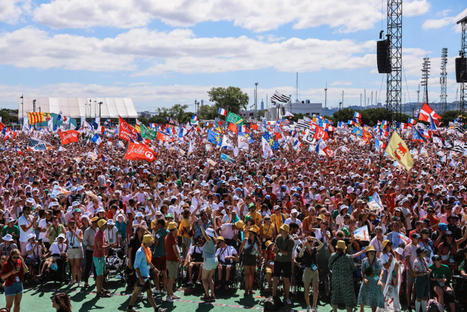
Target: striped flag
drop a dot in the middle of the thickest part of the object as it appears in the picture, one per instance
(222, 112)
(37, 117)
(279, 97)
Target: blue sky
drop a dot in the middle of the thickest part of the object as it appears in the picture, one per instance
(165, 52)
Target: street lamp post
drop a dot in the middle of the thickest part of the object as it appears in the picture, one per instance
(100, 104)
(22, 108)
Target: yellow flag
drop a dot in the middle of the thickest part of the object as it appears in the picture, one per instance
(399, 151)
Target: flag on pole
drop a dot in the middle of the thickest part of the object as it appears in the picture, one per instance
(147, 133)
(234, 118)
(69, 136)
(222, 112)
(398, 150)
(138, 151)
(375, 202)
(96, 139)
(426, 112)
(226, 158)
(125, 131)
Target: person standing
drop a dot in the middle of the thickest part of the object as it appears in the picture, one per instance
(142, 266)
(74, 237)
(89, 235)
(342, 287)
(251, 249)
(422, 279)
(371, 291)
(209, 263)
(283, 261)
(26, 224)
(100, 247)
(311, 273)
(159, 255)
(12, 273)
(173, 258)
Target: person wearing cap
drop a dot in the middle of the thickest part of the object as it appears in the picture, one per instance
(422, 280)
(283, 261)
(250, 249)
(185, 230)
(173, 258)
(195, 259)
(267, 232)
(7, 246)
(88, 242)
(293, 218)
(11, 228)
(253, 214)
(310, 277)
(74, 236)
(159, 255)
(227, 257)
(98, 256)
(410, 257)
(143, 266)
(371, 291)
(278, 218)
(27, 225)
(44, 223)
(440, 277)
(210, 262)
(342, 285)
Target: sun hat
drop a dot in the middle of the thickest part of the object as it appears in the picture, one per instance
(101, 222)
(110, 222)
(220, 238)
(210, 232)
(94, 219)
(268, 243)
(370, 248)
(386, 242)
(341, 245)
(285, 228)
(147, 238)
(172, 226)
(239, 224)
(7, 238)
(61, 236)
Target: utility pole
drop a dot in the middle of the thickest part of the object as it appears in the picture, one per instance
(22, 108)
(443, 80)
(296, 88)
(326, 96)
(462, 54)
(100, 112)
(256, 100)
(360, 100)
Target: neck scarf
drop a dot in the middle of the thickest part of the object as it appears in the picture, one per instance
(148, 253)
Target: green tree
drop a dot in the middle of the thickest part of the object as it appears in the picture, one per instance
(343, 115)
(207, 112)
(231, 98)
(448, 116)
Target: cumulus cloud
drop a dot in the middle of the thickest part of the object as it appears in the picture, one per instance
(257, 16)
(11, 11)
(444, 21)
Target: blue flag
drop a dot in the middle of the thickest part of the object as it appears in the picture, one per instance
(226, 158)
(272, 143)
(214, 137)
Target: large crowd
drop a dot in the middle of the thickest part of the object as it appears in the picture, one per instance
(281, 224)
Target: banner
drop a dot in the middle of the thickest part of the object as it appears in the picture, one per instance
(69, 136)
(125, 131)
(234, 118)
(362, 233)
(398, 150)
(148, 133)
(137, 151)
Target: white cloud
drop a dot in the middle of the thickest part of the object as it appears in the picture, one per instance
(11, 11)
(258, 16)
(179, 51)
(341, 83)
(444, 21)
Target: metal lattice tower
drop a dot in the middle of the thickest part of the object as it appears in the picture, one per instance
(394, 79)
(463, 53)
(425, 77)
(443, 80)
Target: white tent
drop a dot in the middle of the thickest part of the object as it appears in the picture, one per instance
(79, 107)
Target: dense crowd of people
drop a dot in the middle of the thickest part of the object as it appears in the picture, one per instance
(285, 222)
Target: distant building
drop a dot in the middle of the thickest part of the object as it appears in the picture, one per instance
(79, 107)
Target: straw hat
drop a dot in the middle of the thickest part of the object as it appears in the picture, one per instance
(239, 224)
(172, 226)
(101, 222)
(341, 245)
(285, 227)
(268, 243)
(370, 248)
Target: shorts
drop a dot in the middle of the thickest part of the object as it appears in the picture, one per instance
(75, 253)
(422, 287)
(310, 276)
(282, 269)
(210, 264)
(159, 263)
(172, 268)
(146, 286)
(14, 289)
(99, 265)
(22, 246)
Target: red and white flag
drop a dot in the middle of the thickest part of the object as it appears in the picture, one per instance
(138, 151)
(426, 112)
(125, 131)
(69, 136)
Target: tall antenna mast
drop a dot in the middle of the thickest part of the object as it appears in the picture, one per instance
(425, 77)
(443, 80)
(326, 95)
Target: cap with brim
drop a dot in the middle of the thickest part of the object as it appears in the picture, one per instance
(268, 243)
(61, 236)
(110, 222)
(400, 251)
(169, 215)
(147, 238)
(220, 238)
(420, 250)
(10, 219)
(239, 225)
(31, 236)
(370, 248)
(172, 226)
(416, 236)
(94, 219)
(77, 210)
(386, 242)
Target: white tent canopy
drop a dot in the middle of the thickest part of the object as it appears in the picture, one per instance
(79, 107)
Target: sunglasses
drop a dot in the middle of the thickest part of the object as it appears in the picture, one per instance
(15, 257)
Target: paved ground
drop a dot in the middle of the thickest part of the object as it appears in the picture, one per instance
(39, 299)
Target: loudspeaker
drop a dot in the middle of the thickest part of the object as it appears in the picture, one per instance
(383, 58)
(461, 69)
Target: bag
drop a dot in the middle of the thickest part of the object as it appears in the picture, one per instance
(272, 304)
(434, 306)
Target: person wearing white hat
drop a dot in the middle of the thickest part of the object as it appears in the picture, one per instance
(210, 262)
(34, 253)
(293, 218)
(7, 246)
(11, 228)
(74, 237)
(26, 224)
(111, 234)
(58, 250)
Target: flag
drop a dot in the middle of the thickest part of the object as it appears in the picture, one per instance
(234, 118)
(226, 158)
(1, 126)
(37, 117)
(398, 150)
(243, 142)
(417, 136)
(412, 121)
(323, 149)
(357, 117)
(194, 119)
(233, 127)
(320, 134)
(375, 202)
(270, 140)
(357, 131)
(362, 233)
(147, 133)
(214, 137)
(222, 112)
(432, 125)
(426, 112)
(96, 139)
(226, 142)
(267, 151)
(69, 136)
(138, 151)
(279, 97)
(163, 137)
(125, 131)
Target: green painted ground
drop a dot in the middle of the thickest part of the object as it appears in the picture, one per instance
(39, 299)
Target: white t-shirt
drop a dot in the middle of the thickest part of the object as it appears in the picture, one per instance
(225, 252)
(73, 239)
(23, 236)
(111, 235)
(43, 225)
(57, 249)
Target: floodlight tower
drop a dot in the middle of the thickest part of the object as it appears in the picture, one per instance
(394, 78)
(425, 76)
(443, 80)
(462, 54)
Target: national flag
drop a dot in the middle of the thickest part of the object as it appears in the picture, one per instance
(96, 139)
(2, 126)
(222, 111)
(139, 151)
(417, 136)
(398, 150)
(227, 142)
(362, 233)
(270, 140)
(19, 151)
(267, 151)
(226, 158)
(147, 133)
(357, 131)
(412, 121)
(279, 97)
(233, 127)
(214, 137)
(37, 117)
(10, 134)
(125, 131)
(375, 202)
(357, 117)
(320, 134)
(194, 119)
(234, 118)
(426, 112)
(243, 142)
(69, 136)
(432, 125)
(323, 149)
(163, 137)
(367, 135)
(253, 126)
(379, 145)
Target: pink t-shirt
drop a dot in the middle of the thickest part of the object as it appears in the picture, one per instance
(99, 252)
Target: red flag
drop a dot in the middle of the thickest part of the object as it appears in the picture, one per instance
(163, 137)
(138, 151)
(253, 126)
(321, 133)
(426, 112)
(69, 136)
(125, 131)
(233, 127)
(1, 126)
